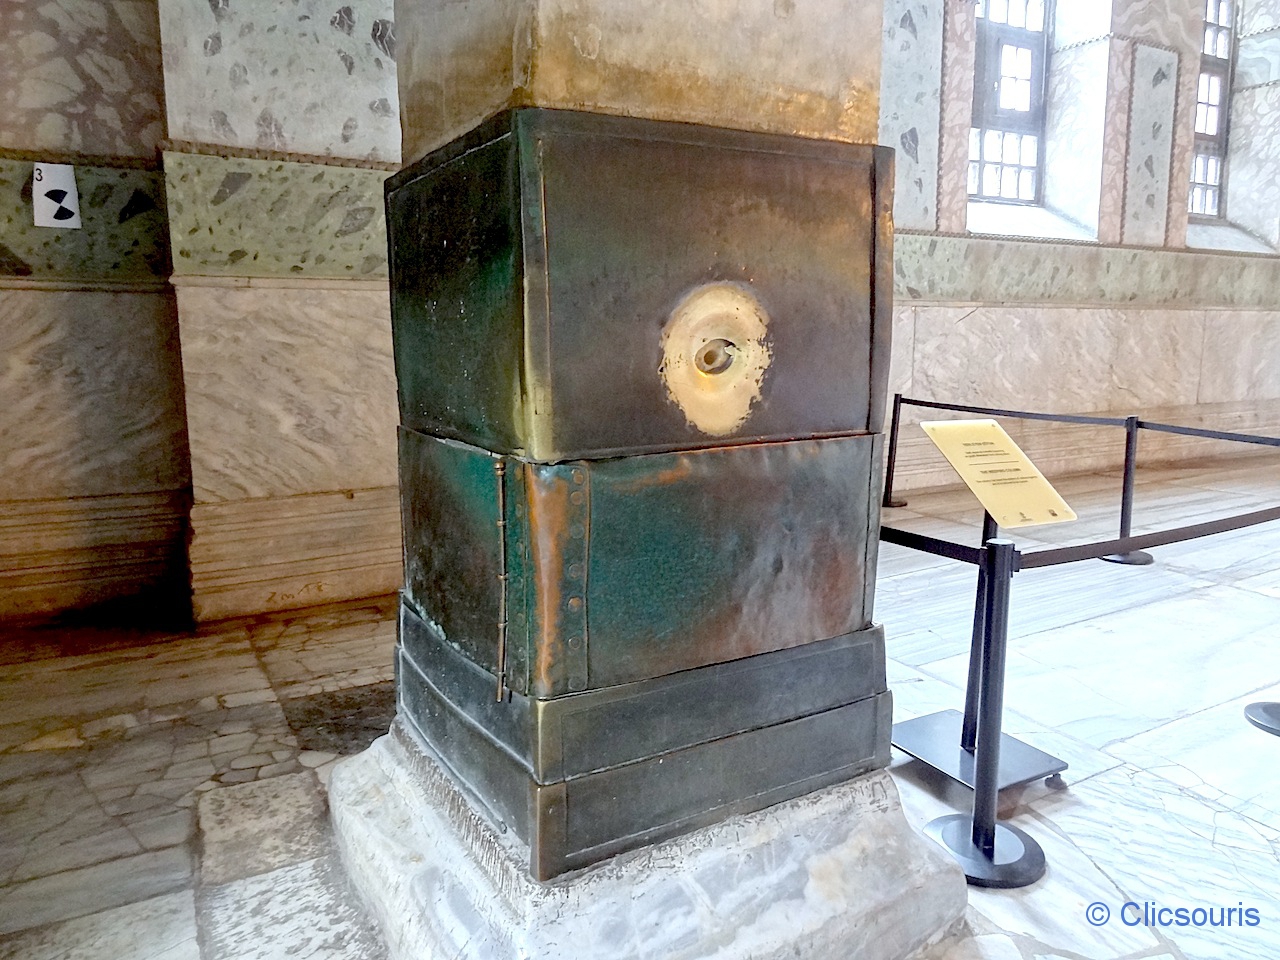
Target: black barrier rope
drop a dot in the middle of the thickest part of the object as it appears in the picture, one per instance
(1209, 434)
(1017, 860)
(1019, 414)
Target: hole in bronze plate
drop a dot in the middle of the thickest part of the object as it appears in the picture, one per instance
(715, 356)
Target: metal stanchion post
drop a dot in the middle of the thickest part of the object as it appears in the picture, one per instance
(969, 730)
(992, 854)
(1134, 558)
(891, 458)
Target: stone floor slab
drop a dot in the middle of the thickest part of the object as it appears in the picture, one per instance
(258, 827)
(301, 912)
(162, 928)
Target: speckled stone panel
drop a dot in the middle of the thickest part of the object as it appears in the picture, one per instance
(1253, 190)
(1179, 26)
(975, 270)
(911, 105)
(92, 394)
(308, 76)
(1075, 115)
(264, 218)
(81, 76)
(288, 391)
(1146, 203)
(123, 235)
(810, 68)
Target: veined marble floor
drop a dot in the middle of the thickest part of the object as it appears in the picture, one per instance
(162, 796)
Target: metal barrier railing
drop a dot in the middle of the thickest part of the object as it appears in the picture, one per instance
(1131, 424)
(976, 759)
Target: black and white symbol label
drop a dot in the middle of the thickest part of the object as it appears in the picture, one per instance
(54, 196)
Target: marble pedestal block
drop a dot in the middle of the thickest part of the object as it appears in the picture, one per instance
(836, 873)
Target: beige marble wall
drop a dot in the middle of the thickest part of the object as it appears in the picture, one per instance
(1115, 139)
(958, 52)
(93, 465)
(291, 405)
(289, 389)
(281, 553)
(1180, 366)
(81, 76)
(91, 394)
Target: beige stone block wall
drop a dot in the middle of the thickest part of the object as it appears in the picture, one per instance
(1214, 368)
(290, 392)
(93, 454)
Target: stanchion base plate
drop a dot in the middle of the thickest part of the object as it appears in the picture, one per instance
(1018, 860)
(935, 740)
(894, 503)
(1134, 558)
(1264, 716)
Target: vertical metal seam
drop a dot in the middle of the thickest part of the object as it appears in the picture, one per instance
(500, 471)
(586, 573)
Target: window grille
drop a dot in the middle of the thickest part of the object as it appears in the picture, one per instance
(1005, 141)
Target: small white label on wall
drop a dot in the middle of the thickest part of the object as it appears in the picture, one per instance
(54, 196)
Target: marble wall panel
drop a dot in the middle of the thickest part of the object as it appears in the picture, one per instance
(1178, 26)
(81, 76)
(1058, 358)
(65, 553)
(1241, 357)
(1214, 368)
(288, 390)
(1259, 15)
(1150, 145)
(264, 218)
(959, 39)
(309, 76)
(92, 394)
(910, 106)
(1115, 140)
(1258, 59)
(902, 353)
(1075, 119)
(982, 270)
(808, 68)
(282, 553)
(124, 234)
(1253, 189)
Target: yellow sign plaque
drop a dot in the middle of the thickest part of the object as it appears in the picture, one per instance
(1005, 482)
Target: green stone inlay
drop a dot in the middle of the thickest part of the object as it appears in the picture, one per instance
(985, 270)
(123, 236)
(232, 216)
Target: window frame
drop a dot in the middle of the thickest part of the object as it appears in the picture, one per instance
(1224, 69)
(986, 113)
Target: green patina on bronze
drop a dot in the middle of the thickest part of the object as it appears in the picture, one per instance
(538, 259)
(123, 234)
(592, 580)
